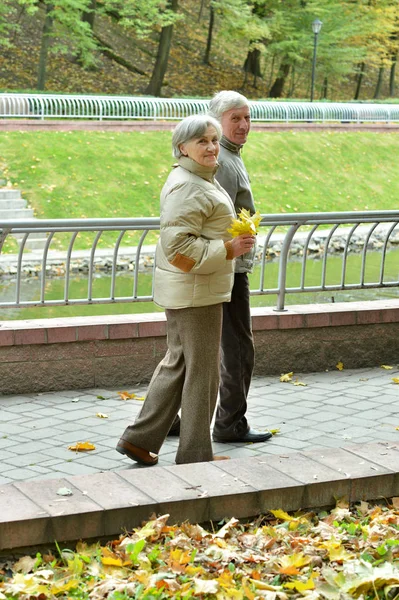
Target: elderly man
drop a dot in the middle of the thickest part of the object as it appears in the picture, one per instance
(231, 109)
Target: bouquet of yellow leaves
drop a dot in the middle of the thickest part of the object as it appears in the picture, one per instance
(245, 223)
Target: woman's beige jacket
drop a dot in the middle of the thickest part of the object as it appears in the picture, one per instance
(193, 265)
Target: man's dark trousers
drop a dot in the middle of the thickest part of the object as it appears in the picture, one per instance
(237, 362)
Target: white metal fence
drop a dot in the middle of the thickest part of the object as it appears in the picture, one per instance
(300, 235)
(58, 106)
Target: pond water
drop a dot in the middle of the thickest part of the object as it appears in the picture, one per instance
(30, 288)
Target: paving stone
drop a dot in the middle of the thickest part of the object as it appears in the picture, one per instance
(369, 480)
(10, 429)
(117, 496)
(24, 460)
(275, 489)
(71, 517)
(322, 484)
(226, 493)
(22, 520)
(3, 481)
(174, 496)
(31, 447)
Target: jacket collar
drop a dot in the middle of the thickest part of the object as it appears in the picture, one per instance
(230, 145)
(191, 165)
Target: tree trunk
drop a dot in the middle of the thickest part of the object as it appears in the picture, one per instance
(90, 15)
(210, 32)
(379, 83)
(252, 63)
(292, 83)
(276, 90)
(201, 10)
(360, 75)
(45, 43)
(269, 83)
(392, 76)
(324, 90)
(161, 61)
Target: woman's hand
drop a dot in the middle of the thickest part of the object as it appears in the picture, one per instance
(242, 244)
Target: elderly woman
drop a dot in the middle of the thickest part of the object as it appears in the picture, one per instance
(193, 277)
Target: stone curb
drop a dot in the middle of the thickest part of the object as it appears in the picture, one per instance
(107, 504)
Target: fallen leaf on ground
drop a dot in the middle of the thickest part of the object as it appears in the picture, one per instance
(286, 377)
(340, 366)
(300, 383)
(101, 416)
(387, 367)
(130, 396)
(82, 447)
(63, 491)
(24, 564)
(126, 395)
(274, 431)
(395, 379)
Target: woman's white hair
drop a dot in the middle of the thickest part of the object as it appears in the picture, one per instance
(224, 101)
(191, 128)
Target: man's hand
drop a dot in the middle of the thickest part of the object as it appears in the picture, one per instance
(242, 244)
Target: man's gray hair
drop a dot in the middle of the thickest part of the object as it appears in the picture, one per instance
(191, 128)
(224, 101)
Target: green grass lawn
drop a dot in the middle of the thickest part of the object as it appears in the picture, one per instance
(83, 174)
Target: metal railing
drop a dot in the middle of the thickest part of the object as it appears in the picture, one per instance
(305, 231)
(59, 106)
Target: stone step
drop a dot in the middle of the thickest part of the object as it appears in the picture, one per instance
(18, 213)
(35, 241)
(9, 194)
(7, 204)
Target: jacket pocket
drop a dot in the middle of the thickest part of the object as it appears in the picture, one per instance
(221, 283)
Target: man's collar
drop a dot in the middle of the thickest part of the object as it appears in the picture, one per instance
(230, 145)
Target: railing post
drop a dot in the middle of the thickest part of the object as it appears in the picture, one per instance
(282, 272)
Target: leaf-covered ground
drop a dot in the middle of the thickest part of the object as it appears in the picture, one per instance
(350, 552)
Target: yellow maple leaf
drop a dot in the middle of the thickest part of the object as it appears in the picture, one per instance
(101, 416)
(286, 377)
(274, 431)
(282, 515)
(301, 586)
(65, 587)
(387, 367)
(126, 395)
(245, 223)
(296, 560)
(111, 562)
(82, 447)
(340, 366)
(395, 379)
(337, 552)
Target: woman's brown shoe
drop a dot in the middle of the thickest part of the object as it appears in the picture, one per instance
(141, 456)
(221, 457)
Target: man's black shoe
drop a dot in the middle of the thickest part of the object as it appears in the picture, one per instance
(252, 436)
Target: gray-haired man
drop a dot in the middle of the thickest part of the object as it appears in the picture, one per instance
(231, 109)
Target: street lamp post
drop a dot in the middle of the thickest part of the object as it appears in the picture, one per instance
(316, 26)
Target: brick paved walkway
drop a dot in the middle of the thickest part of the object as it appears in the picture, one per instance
(334, 409)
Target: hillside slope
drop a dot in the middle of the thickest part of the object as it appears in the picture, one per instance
(186, 74)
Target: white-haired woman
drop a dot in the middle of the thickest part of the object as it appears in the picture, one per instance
(193, 277)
